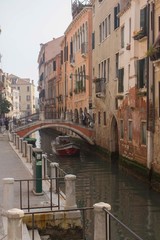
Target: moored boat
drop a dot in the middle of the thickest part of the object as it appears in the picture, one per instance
(31, 141)
(63, 146)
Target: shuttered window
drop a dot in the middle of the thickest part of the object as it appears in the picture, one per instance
(141, 73)
(121, 80)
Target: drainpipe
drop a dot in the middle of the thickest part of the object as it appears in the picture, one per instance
(65, 82)
(150, 95)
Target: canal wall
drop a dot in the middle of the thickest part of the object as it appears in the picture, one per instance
(134, 168)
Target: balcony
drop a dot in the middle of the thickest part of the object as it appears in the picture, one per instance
(100, 87)
(84, 48)
(72, 60)
(137, 35)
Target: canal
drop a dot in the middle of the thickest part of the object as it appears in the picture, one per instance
(100, 180)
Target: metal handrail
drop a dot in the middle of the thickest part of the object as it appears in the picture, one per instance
(110, 215)
(51, 205)
(83, 210)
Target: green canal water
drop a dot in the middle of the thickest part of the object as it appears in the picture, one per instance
(99, 179)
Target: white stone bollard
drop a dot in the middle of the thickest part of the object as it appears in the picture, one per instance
(44, 166)
(29, 153)
(17, 142)
(101, 228)
(24, 149)
(15, 226)
(54, 175)
(14, 138)
(8, 193)
(20, 144)
(70, 191)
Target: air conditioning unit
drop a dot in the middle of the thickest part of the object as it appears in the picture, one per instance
(100, 95)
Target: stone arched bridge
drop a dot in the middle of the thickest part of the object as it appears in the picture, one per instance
(85, 133)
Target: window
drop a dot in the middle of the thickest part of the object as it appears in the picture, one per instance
(106, 27)
(65, 53)
(27, 88)
(141, 72)
(122, 37)
(120, 80)
(54, 65)
(143, 133)
(116, 17)
(108, 67)
(104, 118)
(28, 98)
(109, 24)
(99, 118)
(100, 33)
(93, 40)
(121, 129)
(143, 20)
(28, 106)
(117, 63)
(130, 30)
(61, 57)
(130, 130)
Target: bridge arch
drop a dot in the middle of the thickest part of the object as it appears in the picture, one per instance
(85, 133)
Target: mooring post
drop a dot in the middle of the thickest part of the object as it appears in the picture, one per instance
(54, 168)
(101, 222)
(15, 226)
(70, 191)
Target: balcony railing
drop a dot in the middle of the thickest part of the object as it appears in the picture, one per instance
(100, 85)
(139, 34)
(72, 59)
(84, 48)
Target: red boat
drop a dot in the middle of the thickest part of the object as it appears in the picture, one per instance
(63, 146)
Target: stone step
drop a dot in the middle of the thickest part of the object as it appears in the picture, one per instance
(26, 235)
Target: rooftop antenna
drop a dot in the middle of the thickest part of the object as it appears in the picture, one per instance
(78, 5)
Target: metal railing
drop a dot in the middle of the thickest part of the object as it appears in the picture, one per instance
(84, 220)
(110, 216)
(27, 198)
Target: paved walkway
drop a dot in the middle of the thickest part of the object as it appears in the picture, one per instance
(13, 165)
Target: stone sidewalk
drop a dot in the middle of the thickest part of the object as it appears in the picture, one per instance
(13, 165)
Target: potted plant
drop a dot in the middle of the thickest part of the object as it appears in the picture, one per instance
(153, 52)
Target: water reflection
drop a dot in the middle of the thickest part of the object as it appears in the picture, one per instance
(100, 180)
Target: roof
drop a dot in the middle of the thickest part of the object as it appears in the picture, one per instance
(51, 48)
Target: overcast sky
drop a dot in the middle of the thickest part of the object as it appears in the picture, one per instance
(25, 24)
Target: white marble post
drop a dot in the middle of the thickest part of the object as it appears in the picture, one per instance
(70, 191)
(15, 226)
(17, 141)
(14, 138)
(54, 175)
(101, 228)
(8, 193)
(24, 148)
(29, 153)
(20, 144)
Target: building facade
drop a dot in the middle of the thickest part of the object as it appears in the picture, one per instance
(49, 74)
(76, 64)
(105, 57)
(26, 90)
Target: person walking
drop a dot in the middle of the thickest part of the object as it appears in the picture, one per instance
(6, 122)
